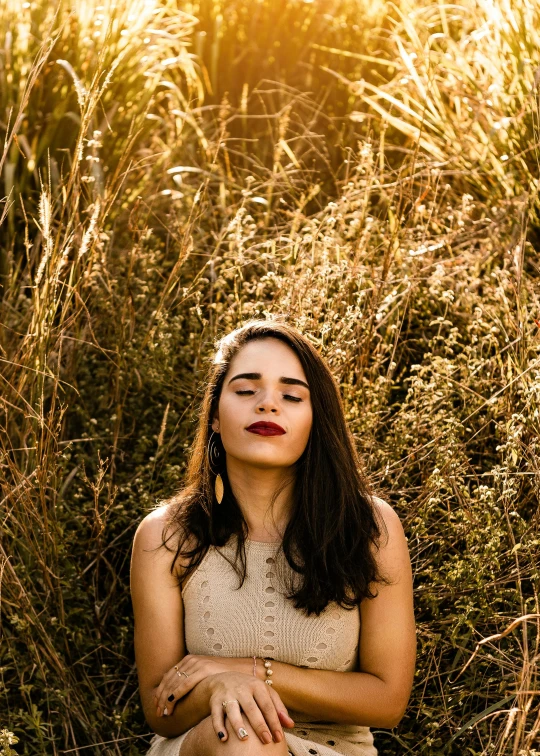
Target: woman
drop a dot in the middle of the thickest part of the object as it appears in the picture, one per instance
(272, 595)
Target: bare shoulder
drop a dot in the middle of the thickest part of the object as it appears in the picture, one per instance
(388, 515)
(155, 529)
(383, 506)
(393, 553)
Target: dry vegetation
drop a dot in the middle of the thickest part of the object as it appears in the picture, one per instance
(171, 169)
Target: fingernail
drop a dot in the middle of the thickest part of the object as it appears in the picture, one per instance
(165, 713)
(171, 697)
(279, 736)
(267, 738)
(221, 735)
(243, 733)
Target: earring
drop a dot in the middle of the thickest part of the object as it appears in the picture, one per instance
(218, 488)
(218, 483)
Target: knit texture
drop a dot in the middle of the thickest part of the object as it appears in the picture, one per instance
(221, 619)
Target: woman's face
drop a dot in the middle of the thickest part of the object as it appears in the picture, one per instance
(269, 392)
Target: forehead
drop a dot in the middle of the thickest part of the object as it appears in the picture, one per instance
(267, 349)
(267, 355)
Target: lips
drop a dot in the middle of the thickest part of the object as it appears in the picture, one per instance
(263, 428)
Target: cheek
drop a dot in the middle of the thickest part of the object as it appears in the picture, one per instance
(306, 427)
(233, 426)
(229, 415)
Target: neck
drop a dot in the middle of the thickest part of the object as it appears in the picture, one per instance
(253, 488)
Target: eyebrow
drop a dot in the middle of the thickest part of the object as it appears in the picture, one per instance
(258, 376)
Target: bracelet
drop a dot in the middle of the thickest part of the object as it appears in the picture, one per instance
(254, 666)
(269, 673)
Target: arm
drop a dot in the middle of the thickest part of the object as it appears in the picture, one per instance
(378, 695)
(159, 629)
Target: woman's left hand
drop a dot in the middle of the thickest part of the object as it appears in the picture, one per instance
(174, 686)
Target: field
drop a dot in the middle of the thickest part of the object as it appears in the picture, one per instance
(169, 170)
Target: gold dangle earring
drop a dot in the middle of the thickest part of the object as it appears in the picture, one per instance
(218, 488)
(218, 484)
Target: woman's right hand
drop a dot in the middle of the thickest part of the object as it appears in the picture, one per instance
(258, 701)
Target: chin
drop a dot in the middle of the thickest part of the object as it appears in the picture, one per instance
(266, 462)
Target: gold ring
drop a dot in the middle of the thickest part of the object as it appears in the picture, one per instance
(234, 700)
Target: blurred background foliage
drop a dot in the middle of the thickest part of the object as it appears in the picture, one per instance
(170, 170)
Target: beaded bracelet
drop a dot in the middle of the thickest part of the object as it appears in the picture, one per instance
(268, 667)
(269, 673)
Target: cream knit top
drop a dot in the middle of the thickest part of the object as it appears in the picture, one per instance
(257, 619)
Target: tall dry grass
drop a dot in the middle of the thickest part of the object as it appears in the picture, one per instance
(169, 179)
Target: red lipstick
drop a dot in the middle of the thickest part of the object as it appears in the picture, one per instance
(263, 428)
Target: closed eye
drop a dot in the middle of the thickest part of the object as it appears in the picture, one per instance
(287, 396)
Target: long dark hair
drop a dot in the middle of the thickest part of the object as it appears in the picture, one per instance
(334, 528)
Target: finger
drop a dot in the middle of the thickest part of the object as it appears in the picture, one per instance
(217, 713)
(253, 712)
(165, 682)
(159, 688)
(284, 717)
(169, 684)
(157, 695)
(163, 691)
(281, 708)
(268, 709)
(237, 723)
(182, 686)
(177, 686)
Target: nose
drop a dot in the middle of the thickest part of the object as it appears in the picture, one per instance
(269, 404)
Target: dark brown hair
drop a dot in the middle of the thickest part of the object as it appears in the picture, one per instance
(333, 523)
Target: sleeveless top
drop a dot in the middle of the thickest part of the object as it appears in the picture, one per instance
(221, 619)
